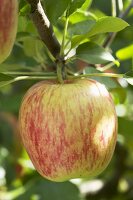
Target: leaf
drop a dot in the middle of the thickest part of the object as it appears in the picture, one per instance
(25, 10)
(86, 5)
(22, 35)
(81, 28)
(55, 9)
(15, 100)
(129, 77)
(4, 77)
(15, 67)
(107, 81)
(92, 53)
(33, 48)
(129, 74)
(4, 83)
(74, 5)
(25, 25)
(125, 53)
(119, 95)
(79, 16)
(49, 190)
(125, 127)
(76, 40)
(102, 25)
(108, 24)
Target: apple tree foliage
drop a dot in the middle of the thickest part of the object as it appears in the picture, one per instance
(96, 39)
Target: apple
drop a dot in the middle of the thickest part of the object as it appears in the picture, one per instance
(69, 130)
(8, 26)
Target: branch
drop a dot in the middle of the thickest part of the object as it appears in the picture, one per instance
(112, 36)
(44, 27)
(123, 14)
(114, 8)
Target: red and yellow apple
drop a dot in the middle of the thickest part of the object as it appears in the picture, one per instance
(8, 26)
(69, 130)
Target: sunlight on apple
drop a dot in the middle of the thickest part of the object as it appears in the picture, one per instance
(95, 92)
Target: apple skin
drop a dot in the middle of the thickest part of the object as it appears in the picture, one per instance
(69, 130)
(8, 26)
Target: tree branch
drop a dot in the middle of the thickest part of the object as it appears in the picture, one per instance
(114, 8)
(112, 36)
(44, 27)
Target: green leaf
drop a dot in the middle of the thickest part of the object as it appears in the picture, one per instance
(107, 81)
(25, 25)
(76, 40)
(15, 67)
(74, 5)
(125, 53)
(79, 16)
(119, 95)
(86, 5)
(125, 128)
(49, 191)
(108, 24)
(25, 10)
(102, 25)
(129, 74)
(129, 77)
(4, 77)
(81, 28)
(22, 35)
(4, 83)
(55, 9)
(92, 53)
(33, 48)
(15, 100)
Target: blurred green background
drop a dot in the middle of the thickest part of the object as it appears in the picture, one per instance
(18, 178)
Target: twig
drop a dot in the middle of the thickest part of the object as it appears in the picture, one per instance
(120, 5)
(29, 73)
(123, 14)
(114, 8)
(112, 75)
(44, 27)
(112, 36)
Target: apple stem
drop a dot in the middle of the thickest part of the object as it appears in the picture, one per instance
(60, 72)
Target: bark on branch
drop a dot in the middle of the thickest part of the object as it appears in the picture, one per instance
(44, 27)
